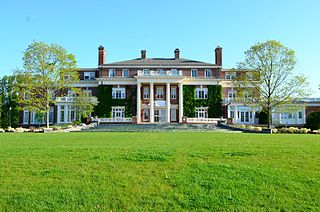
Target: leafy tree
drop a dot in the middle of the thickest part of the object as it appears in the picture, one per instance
(268, 74)
(48, 71)
(8, 102)
(84, 104)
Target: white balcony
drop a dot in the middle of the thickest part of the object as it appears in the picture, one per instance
(170, 73)
(112, 120)
(75, 99)
(204, 120)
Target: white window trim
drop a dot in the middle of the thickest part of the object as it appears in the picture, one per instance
(196, 71)
(116, 110)
(123, 71)
(122, 91)
(201, 110)
(205, 93)
(158, 96)
(146, 95)
(112, 70)
(173, 92)
(208, 71)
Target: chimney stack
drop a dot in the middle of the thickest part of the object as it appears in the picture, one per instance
(143, 54)
(176, 54)
(101, 55)
(218, 52)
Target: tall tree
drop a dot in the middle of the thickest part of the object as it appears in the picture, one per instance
(48, 71)
(268, 73)
(9, 114)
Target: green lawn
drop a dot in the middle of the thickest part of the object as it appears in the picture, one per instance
(159, 171)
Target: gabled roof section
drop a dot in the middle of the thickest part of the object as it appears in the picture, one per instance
(159, 62)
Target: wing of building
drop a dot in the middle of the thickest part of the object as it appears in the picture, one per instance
(157, 90)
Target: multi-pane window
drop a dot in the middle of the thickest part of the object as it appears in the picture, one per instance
(300, 114)
(173, 92)
(25, 117)
(118, 93)
(201, 93)
(159, 92)
(161, 72)
(61, 113)
(201, 112)
(174, 72)
(146, 92)
(146, 72)
(230, 76)
(112, 72)
(208, 73)
(145, 114)
(194, 72)
(118, 112)
(232, 94)
(125, 72)
(89, 75)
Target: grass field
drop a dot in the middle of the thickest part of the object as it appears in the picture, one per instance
(159, 171)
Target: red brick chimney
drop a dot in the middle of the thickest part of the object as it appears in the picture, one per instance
(101, 55)
(143, 54)
(218, 52)
(176, 54)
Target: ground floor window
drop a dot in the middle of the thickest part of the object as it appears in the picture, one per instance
(118, 112)
(201, 112)
(159, 115)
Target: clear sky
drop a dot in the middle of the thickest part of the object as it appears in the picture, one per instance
(125, 27)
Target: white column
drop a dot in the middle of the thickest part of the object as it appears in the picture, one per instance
(180, 102)
(151, 103)
(138, 103)
(168, 102)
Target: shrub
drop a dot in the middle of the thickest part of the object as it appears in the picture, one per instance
(304, 130)
(293, 130)
(283, 130)
(313, 120)
(274, 130)
(76, 122)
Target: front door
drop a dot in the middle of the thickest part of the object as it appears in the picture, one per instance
(159, 115)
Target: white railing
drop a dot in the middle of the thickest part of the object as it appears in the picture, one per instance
(74, 99)
(205, 120)
(112, 120)
(159, 73)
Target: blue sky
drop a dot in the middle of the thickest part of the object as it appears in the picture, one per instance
(196, 27)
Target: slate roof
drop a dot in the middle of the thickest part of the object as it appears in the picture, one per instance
(160, 62)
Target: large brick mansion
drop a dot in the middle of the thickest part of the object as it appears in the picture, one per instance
(171, 90)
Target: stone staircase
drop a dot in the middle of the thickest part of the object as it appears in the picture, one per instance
(157, 128)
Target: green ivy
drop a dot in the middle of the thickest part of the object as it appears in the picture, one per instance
(104, 108)
(213, 101)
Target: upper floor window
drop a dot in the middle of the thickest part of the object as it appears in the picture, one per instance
(174, 72)
(89, 75)
(231, 75)
(201, 93)
(112, 72)
(232, 94)
(87, 93)
(125, 72)
(118, 93)
(146, 72)
(146, 92)
(161, 72)
(159, 92)
(173, 92)
(194, 72)
(208, 73)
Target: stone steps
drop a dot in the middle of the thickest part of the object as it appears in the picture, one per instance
(157, 128)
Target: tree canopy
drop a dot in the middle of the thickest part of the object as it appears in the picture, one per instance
(268, 73)
(48, 71)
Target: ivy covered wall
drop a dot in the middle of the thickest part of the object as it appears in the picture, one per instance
(213, 101)
(104, 108)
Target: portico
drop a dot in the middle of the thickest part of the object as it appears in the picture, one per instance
(159, 101)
